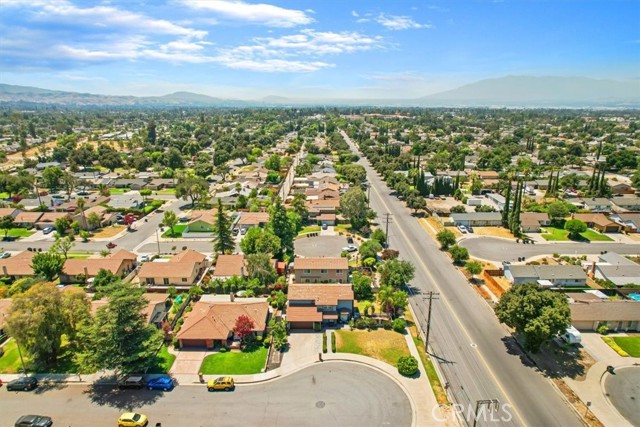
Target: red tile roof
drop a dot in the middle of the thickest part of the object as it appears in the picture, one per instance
(216, 320)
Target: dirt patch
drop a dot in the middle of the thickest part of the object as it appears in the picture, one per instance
(588, 417)
(634, 236)
(497, 285)
(380, 344)
(493, 232)
(109, 232)
(480, 290)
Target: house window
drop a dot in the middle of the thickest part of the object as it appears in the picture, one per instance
(338, 271)
(326, 308)
(184, 279)
(150, 281)
(323, 271)
(307, 271)
(306, 280)
(165, 281)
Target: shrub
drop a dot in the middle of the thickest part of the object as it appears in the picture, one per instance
(176, 343)
(387, 324)
(399, 325)
(407, 365)
(223, 350)
(317, 327)
(602, 330)
(266, 342)
(324, 342)
(333, 343)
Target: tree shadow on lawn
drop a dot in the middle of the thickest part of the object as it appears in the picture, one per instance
(129, 400)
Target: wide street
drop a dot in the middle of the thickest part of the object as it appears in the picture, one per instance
(328, 394)
(477, 355)
(494, 249)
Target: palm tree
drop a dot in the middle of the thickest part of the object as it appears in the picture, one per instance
(385, 298)
(80, 203)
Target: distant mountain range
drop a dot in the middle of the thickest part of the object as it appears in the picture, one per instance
(510, 91)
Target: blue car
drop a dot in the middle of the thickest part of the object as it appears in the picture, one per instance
(164, 383)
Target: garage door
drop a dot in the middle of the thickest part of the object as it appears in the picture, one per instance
(194, 343)
(301, 325)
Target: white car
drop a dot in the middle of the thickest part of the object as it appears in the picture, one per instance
(145, 258)
(350, 248)
(463, 229)
(4, 255)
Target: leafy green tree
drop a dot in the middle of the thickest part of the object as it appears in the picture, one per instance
(407, 365)
(396, 273)
(369, 249)
(260, 240)
(119, 337)
(36, 321)
(537, 314)
(446, 238)
(361, 286)
(23, 285)
(353, 205)
(281, 225)
(192, 187)
(299, 205)
(379, 236)
(557, 210)
(94, 220)
(392, 300)
(170, 219)
(76, 307)
(52, 177)
(575, 227)
(105, 283)
(6, 224)
(279, 335)
(473, 268)
(223, 242)
(416, 202)
(273, 163)
(47, 264)
(459, 254)
(458, 209)
(62, 224)
(259, 266)
(62, 246)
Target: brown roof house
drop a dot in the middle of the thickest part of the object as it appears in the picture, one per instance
(618, 315)
(201, 221)
(211, 323)
(532, 221)
(598, 221)
(182, 269)
(48, 219)
(228, 266)
(321, 270)
(310, 306)
(17, 266)
(103, 213)
(119, 263)
(26, 219)
(252, 219)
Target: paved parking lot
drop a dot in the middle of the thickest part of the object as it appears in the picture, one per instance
(327, 246)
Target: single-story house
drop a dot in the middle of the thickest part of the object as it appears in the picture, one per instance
(43, 165)
(326, 218)
(618, 315)
(597, 204)
(618, 187)
(617, 269)
(211, 323)
(627, 203)
(321, 270)
(126, 201)
(27, 219)
(130, 183)
(228, 266)
(318, 207)
(119, 263)
(318, 304)
(201, 221)
(531, 222)
(630, 222)
(252, 219)
(12, 212)
(182, 269)
(498, 199)
(477, 219)
(598, 221)
(160, 183)
(17, 266)
(559, 275)
(48, 219)
(103, 213)
(156, 310)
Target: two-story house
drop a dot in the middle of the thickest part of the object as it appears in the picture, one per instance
(321, 270)
(311, 305)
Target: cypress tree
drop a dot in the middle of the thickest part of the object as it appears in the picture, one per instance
(550, 183)
(602, 183)
(594, 179)
(507, 201)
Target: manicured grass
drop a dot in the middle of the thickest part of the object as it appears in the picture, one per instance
(177, 231)
(631, 345)
(118, 190)
(10, 361)
(310, 229)
(166, 191)
(342, 227)
(163, 362)
(18, 232)
(78, 255)
(250, 361)
(558, 234)
(387, 346)
(4, 195)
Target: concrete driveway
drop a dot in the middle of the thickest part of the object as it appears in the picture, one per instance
(327, 246)
(188, 362)
(303, 349)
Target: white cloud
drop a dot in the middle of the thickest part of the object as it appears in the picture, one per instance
(354, 14)
(398, 22)
(263, 14)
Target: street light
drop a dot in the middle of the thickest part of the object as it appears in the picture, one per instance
(158, 239)
(24, 370)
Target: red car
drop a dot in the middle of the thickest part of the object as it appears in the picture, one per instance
(111, 245)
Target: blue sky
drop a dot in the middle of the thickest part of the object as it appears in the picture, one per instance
(310, 48)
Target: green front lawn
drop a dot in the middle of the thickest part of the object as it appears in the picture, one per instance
(10, 360)
(631, 345)
(66, 364)
(118, 190)
(166, 191)
(78, 255)
(4, 195)
(163, 362)
(177, 231)
(387, 346)
(310, 229)
(559, 234)
(19, 232)
(250, 361)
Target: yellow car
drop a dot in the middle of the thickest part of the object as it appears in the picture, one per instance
(221, 383)
(132, 419)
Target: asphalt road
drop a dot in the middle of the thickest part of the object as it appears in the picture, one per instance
(623, 389)
(493, 249)
(329, 394)
(476, 354)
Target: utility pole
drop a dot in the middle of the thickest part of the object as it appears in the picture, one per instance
(431, 298)
(492, 404)
(387, 220)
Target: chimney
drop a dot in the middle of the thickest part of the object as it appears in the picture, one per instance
(232, 297)
(242, 271)
(4, 270)
(86, 272)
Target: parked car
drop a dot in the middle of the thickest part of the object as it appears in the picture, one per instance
(111, 245)
(135, 382)
(184, 219)
(470, 229)
(4, 255)
(350, 240)
(243, 231)
(132, 419)
(221, 383)
(325, 226)
(463, 229)
(22, 384)
(83, 193)
(57, 196)
(145, 258)
(34, 421)
(350, 248)
(48, 230)
(164, 383)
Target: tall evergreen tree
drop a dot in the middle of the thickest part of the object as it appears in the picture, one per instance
(223, 241)
(281, 226)
(507, 206)
(601, 186)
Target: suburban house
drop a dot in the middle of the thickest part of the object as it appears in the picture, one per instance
(48, 219)
(201, 221)
(311, 305)
(498, 199)
(618, 315)
(12, 212)
(546, 275)
(252, 219)
(106, 217)
(27, 219)
(321, 270)
(531, 222)
(155, 312)
(120, 263)
(597, 204)
(618, 187)
(17, 266)
(210, 324)
(126, 201)
(630, 222)
(627, 203)
(228, 266)
(598, 221)
(183, 269)
(477, 219)
(130, 183)
(320, 207)
(617, 269)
